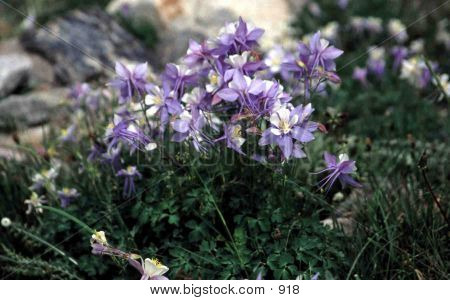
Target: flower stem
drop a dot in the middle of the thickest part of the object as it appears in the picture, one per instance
(68, 216)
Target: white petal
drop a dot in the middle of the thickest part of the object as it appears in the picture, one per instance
(275, 131)
(150, 268)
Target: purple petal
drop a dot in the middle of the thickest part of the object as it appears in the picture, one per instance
(285, 144)
(347, 179)
(332, 53)
(255, 34)
(329, 159)
(181, 126)
(228, 94)
(179, 137)
(140, 71)
(302, 135)
(239, 80)
(256, 87)
(122, 71)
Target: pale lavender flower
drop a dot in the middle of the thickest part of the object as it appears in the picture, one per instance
(66, 196)
(338, 169)
(68, 135)
(79, 91)
(233, 137)
(342, 4)
(360, 74)
(129, 174)
(376, 63)
(274, 59)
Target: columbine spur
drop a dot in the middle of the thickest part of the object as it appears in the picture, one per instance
(130, 173)
(338, 169)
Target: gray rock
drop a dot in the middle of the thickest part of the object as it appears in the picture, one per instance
(84, 45)
(35, 108)
(41, 73)
(143, 10)
(14, 72)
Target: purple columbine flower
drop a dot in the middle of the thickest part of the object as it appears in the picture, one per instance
(197, 54)
(130, 83)
(233, 137)
(240, 87)
(237, 37)
(112, 157)
(360, 74)
(399, 53)
(315, 61)
(317, 54)
(338, 169)
(287, 125)
(127, 131)
(189, 125)
(130, 173)
(66, 196)
(242, 63)
(163, 103)
(176, 77)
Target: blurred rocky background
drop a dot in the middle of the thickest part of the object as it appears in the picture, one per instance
(47, 46)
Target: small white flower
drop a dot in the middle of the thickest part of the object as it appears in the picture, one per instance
(376, 53)
(34, 202)
(397, 30)
(330, 31)
(6, 222)
(374, 24)
(417, 46)
(151, 146)
(99, 237)
(444, 83)
(274, 59)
